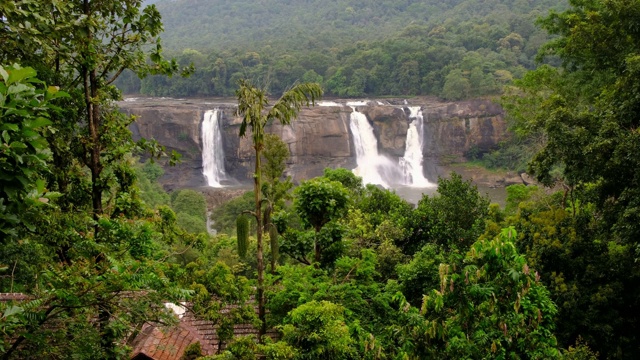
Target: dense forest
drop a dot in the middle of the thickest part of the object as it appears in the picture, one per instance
(337, 268)
(451, 49)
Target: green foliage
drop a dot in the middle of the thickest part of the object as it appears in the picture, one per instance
(151, 192)
(246, 348)
(276, 190)
(191, 210)
(319, 200)
(566, 246)
(215, 287)
(24, 119)
(383, 204)
(66, 309)
(318, 331)
(91, 239)
(420, 275)
(456, 86)
(379, 220)
(274, 245)
(152, 171)
(377, 327)
(89, 236)
(517, 194)
(346, 177)
(242, 348)
(189, 202)
(191, 223)
(492, 306)
(224, 216)
(580, 351)
(276, 154)
(586, 112)
(511, 156)
(454, 219)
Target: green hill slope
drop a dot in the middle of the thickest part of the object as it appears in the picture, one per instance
(453, 49)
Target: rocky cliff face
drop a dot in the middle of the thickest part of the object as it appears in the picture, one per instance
(319, 138)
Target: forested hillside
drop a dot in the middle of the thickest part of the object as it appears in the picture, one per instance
(453, 49)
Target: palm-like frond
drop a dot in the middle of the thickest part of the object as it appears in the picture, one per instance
(251, 103)
(289, 105)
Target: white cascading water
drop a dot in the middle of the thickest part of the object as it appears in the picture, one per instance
(411, 162)
(212, 150)
(372, 167)
(328, 103)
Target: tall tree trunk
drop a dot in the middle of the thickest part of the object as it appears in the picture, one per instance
(259, 256)
(94, 130)
(90, 83)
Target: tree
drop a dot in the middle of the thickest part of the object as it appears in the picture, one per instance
(454, 219)
(191, 210)
(588, 112)
(368, 309)
(420, 275)
(347, 178)
(456, 86)
(82, 47)
(253, 108)
(275, 190)
(318, 329)
(319, 201)
(493, 306)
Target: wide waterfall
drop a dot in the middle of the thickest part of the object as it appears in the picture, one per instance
(372, 167)
(212, 150)
(411, 162)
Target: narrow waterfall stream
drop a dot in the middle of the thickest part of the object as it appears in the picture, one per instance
(212, 149)
(411, 162)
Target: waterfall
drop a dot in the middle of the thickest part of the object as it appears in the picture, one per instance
(411, 162)
(212, 150)
(372, 167)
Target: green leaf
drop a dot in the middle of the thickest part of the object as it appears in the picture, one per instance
(18, 145)
(17, 88)
(12, 310)
(12, 127)
(19, 74)
(52, 195)
(4, 74)
(40, 184)
(39, 122)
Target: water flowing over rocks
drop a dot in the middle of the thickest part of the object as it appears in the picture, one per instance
(320, 137)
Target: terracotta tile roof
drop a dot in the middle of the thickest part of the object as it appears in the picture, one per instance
(165, 343)
(159, 342)
(169, 343)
